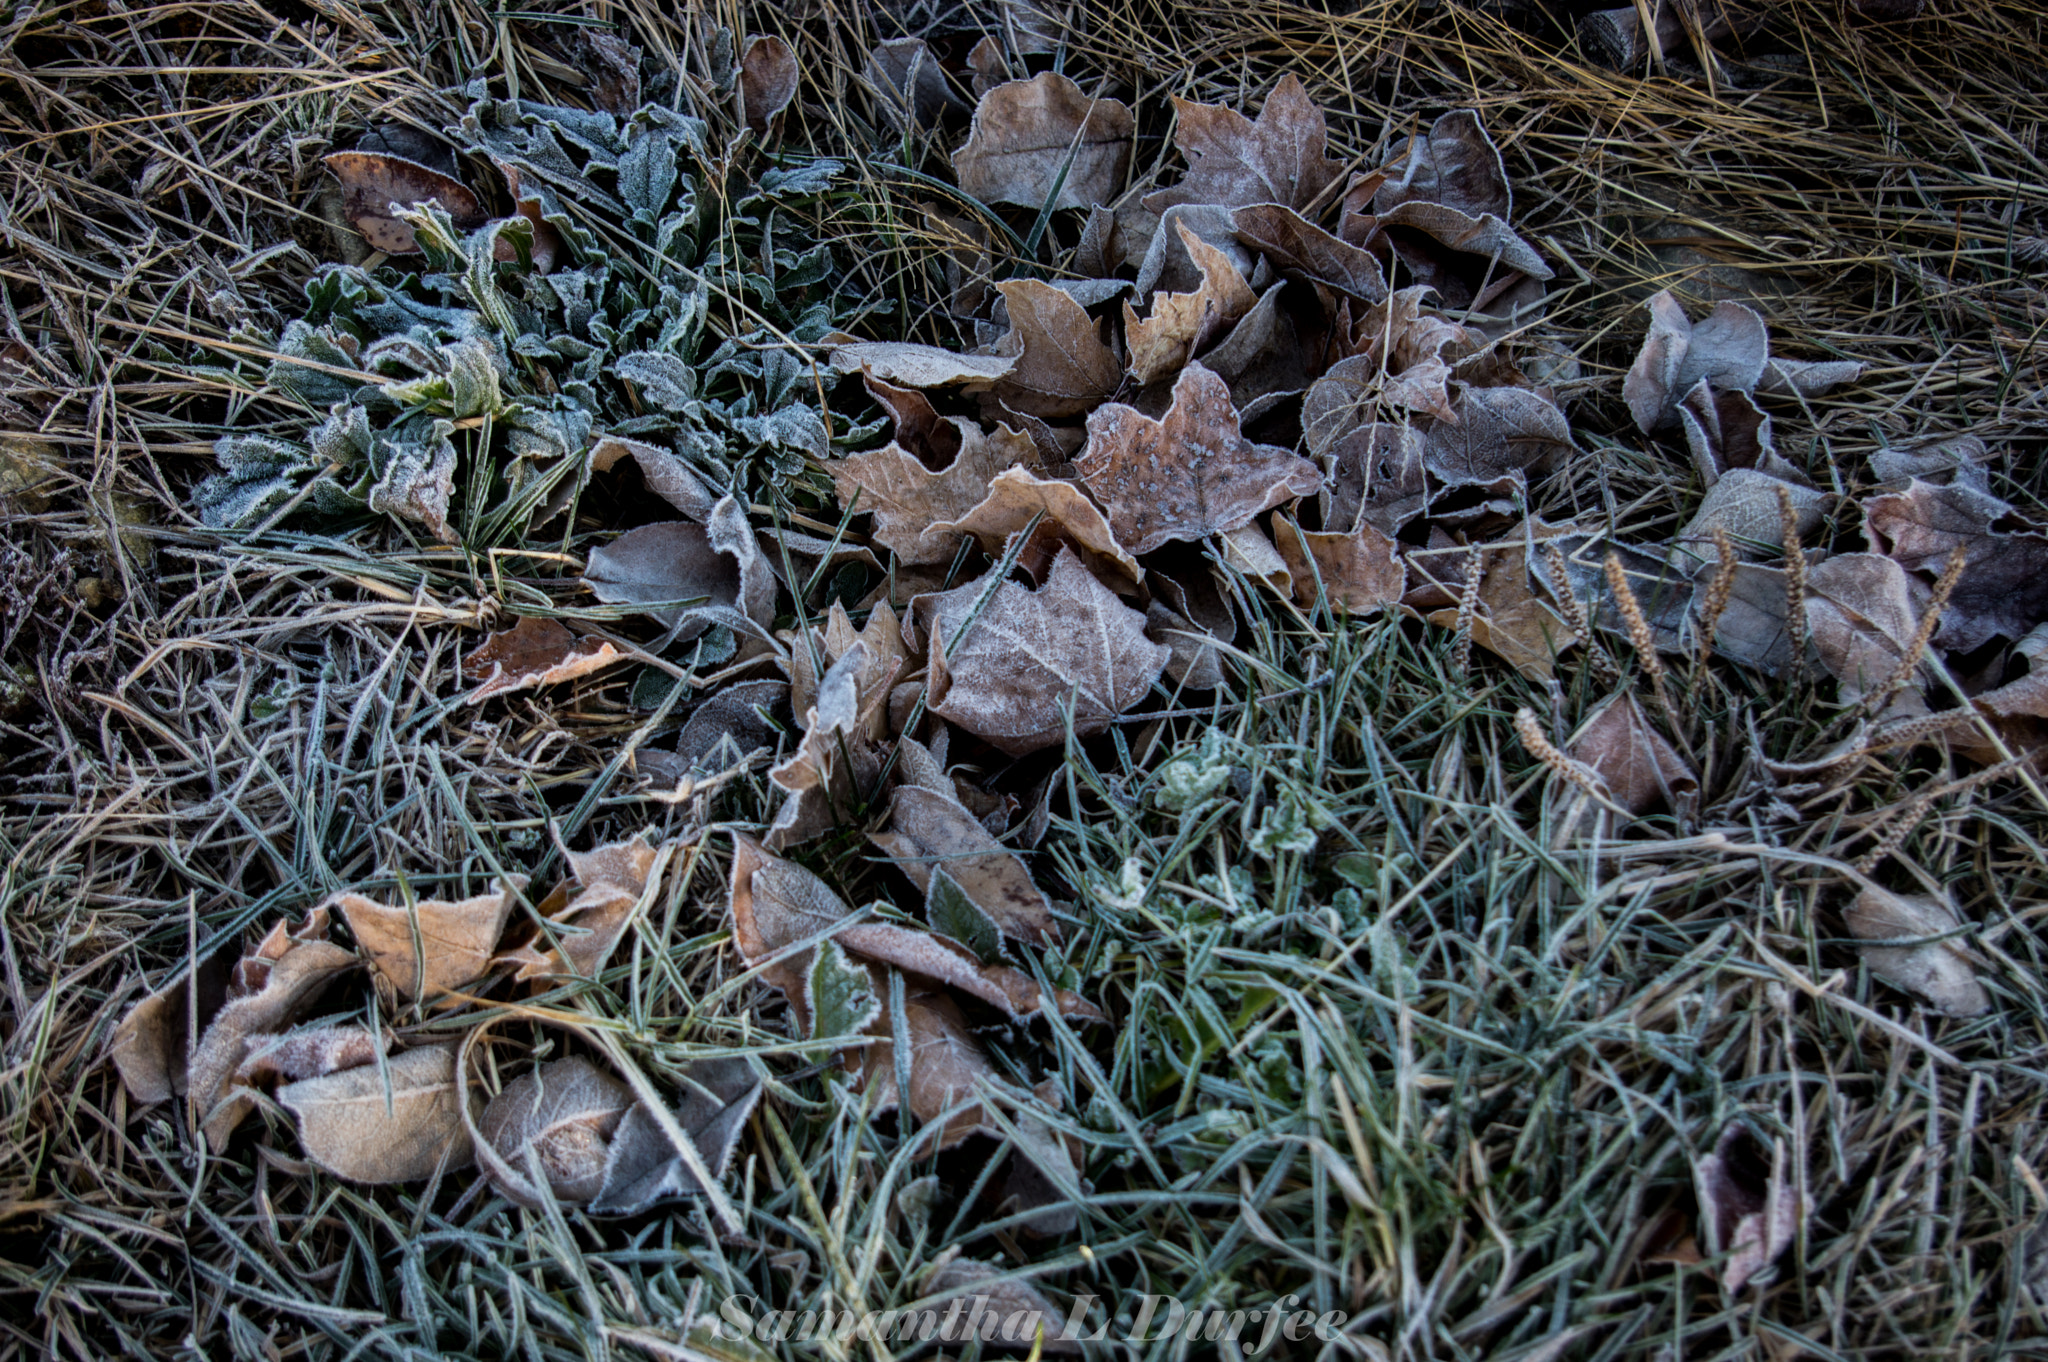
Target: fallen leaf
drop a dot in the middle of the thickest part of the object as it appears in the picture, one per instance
(1511, 621)
(308, 1053)
(736, 721)
(1247, 550)
(881, 636)
(1191, 474)
(533, 652)
(1752, 1203)
(825, 776)
(920, 366)
(688, 576)
(1471, 262)
(1264, 358)
(1861, 612)
(1403, 365)
(644, 1166)
(1043, 143)
(1378, 478)
(2004, 586)
(2027, 696)
(558, 1121)
(1008, 670)
(1639, 766)
(1360, 573)
(916, 509)
(768, 77)
(664, 472)
(285, 989)
(1455, 164)
(372, 181)
(610, 881)
(1807, 377)
(613, 65)
(910, 83)
(1727, 349)
(1064, 513)
(1939, 970)
(1726, 430)
(918, 426)
(1499, 435)
(399, 1121)
(1062, 368)
(1233, 161)
(1181, 324)
(1751, 628)
(431, 946)
(148, 1048)
(947, 1068)
(1167, 266)
(1191, 616)
(1745, 504)
(930, 831)
(993, 1307)
(1194, 660)
(1301, 250)
(1043, 1166)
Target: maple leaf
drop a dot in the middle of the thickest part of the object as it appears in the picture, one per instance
(1006, 668)
(1181, 324)
(1233, 161)
(1189, 475)
(930, 832)
(1360, 572)
(2003, 589)
(610, 881)
(1455, 164)
(1043, 143)
(1062, 367)
(1065, 515)
(913, 505)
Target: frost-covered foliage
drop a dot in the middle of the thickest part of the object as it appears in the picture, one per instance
(680, 276)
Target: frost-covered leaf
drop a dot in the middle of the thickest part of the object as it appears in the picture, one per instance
(768, 79)
(1752, 1200)
(610, 881)
(644, 1166)
(1639, 765)
(2004, 586)
(1189, 475)
(687, 576)
(948, 1068)
(431, 946)
(372, 181)
(1455, 164)
(919, 366)
(666, 474)
(929, 831)
(1062, 367)
(1009, 671)
(1181, 325)
(1361, 573)
(1233, 161)
(1936, 966)
(839, 996)
(398, 1121)
(1727, 348)
(914, 505)
(533, 652)
(823, 778)
(1044, 141)
(1064, 513)
(558, 1120)
(1301, 250)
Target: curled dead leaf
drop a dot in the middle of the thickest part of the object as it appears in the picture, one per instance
(916, 508)
(1061, 367)
(610, 880)
(1043, 142)
(398, 1121)
(644, 1166)
(1181, 325)
(534, 652)
(1752, 1201)
(930, 831)
(554, 1123)
(1926, 956)
(432, 946)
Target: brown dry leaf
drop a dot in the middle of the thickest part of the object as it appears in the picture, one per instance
(1189, 475)
(882, 636)
(734, 722)
(277, 996)
(611, 880)
(919, 366)
(1728, 349)
(371, 181)
(1403, 364)
(1939, 970)
(1029, 655)
(1027, 1316)
(2004, 586)
(947, 1068)
(1168, 267)
(533, 652)
(1195, 661)
(1234, 162)
(1018, 496)
(834, 763)
(1726, 430)
(1361, 573)
(1745, 503)
(306, 1054)
(399, 1121)
(149, 1046)
(1751, 1201)
(1456, 164)
(1378, 478)
(1062, 368)
(644, 1167)
(434, 946)
(717, 567)
(1640, 767)
(929, 830)
(1471, 262)
(918, 426)
(1301, 250)
(1180, 325)
(664, 472)
(768, 76)
(2026, 697)
(909, 83)
(559, 1120)
(915, 508)
(1861, 612)
(1500, 433)
(1028, 133)
(777, 903)
(1247, 550)
(1264, 358)
(1512, 622)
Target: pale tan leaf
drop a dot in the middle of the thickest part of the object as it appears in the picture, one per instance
(1640, 767)
(835, 760)
(917, 509)
(395, 1122)
(534, 652)
(610, 881)
(1248, 550)
(1361, 573)
(1861, 613)
(559, 1118)
(1062, 368)
(432, 946)
(1512, 621)
(372, 181)
(1009, 674)
(1936, 967)
(148, 1047)
(308, 1053)
(1180, 325)
(1017, 496)
(1744, 503)
(920, 366)
(1233, 161)
(1189, 475)
(929, 830)
(664, 472)
(768, 77)
(289, 987)
(2026, 697)
(1027, 133)
(1752, 1201)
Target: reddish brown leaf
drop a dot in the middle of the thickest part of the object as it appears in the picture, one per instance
(2004, 586)
(1062, 366)
(914, 507)
(1360, 573)
(372, 181)
(929, 830)
(1180, 325)
(768, 77)
(533, 652)
(1301, 250)
(1640, 767)
(1727, 349)
(1191, 474)
(947, 1068)
(1017, 496)
(610, 881)
(1233, 161)
(1456, 164)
